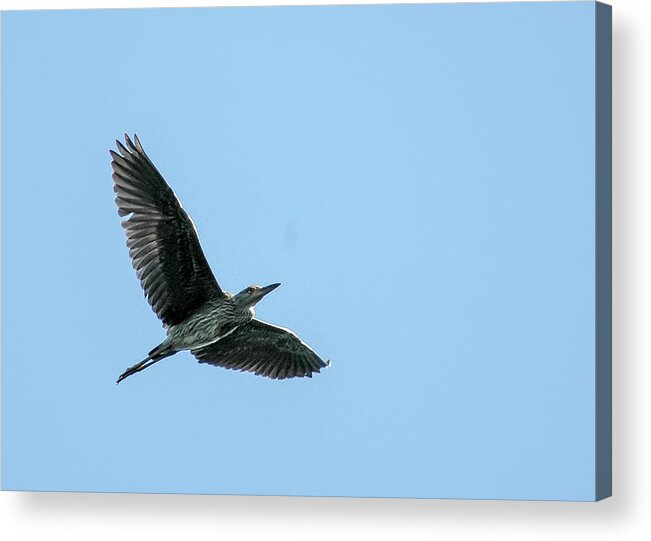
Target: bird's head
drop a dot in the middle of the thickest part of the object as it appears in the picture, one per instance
(249, 297)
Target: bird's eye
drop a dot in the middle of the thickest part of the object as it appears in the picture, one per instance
(251, 289)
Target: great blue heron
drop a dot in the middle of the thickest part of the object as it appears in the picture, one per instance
(217, 327)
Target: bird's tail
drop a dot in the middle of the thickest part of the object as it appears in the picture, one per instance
(155, 355)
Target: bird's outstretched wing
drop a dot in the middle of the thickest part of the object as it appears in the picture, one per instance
(161, 237)
(265, 350)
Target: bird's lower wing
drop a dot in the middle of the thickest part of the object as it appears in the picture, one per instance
(265, 350)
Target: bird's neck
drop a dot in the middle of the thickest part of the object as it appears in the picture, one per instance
(242, 310)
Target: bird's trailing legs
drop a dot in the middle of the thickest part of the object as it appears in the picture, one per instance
(160, 352)
(146, 363)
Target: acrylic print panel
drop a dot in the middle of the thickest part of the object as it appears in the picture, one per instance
(429, 183)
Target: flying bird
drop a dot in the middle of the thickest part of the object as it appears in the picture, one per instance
(217, 327)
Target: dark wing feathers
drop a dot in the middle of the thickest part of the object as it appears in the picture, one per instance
(162, 240)
(265, 350)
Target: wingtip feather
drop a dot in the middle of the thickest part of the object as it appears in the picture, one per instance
(138, 144)
(123, 150)
(129, 143)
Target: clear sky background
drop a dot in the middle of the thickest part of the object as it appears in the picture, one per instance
(419, 178)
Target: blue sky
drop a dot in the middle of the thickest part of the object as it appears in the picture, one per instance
(419, 178)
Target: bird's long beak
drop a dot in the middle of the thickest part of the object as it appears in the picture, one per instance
(260, 293)
(267, 289)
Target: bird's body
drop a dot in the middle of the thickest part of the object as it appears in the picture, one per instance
(214, 320)
(217, 327)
